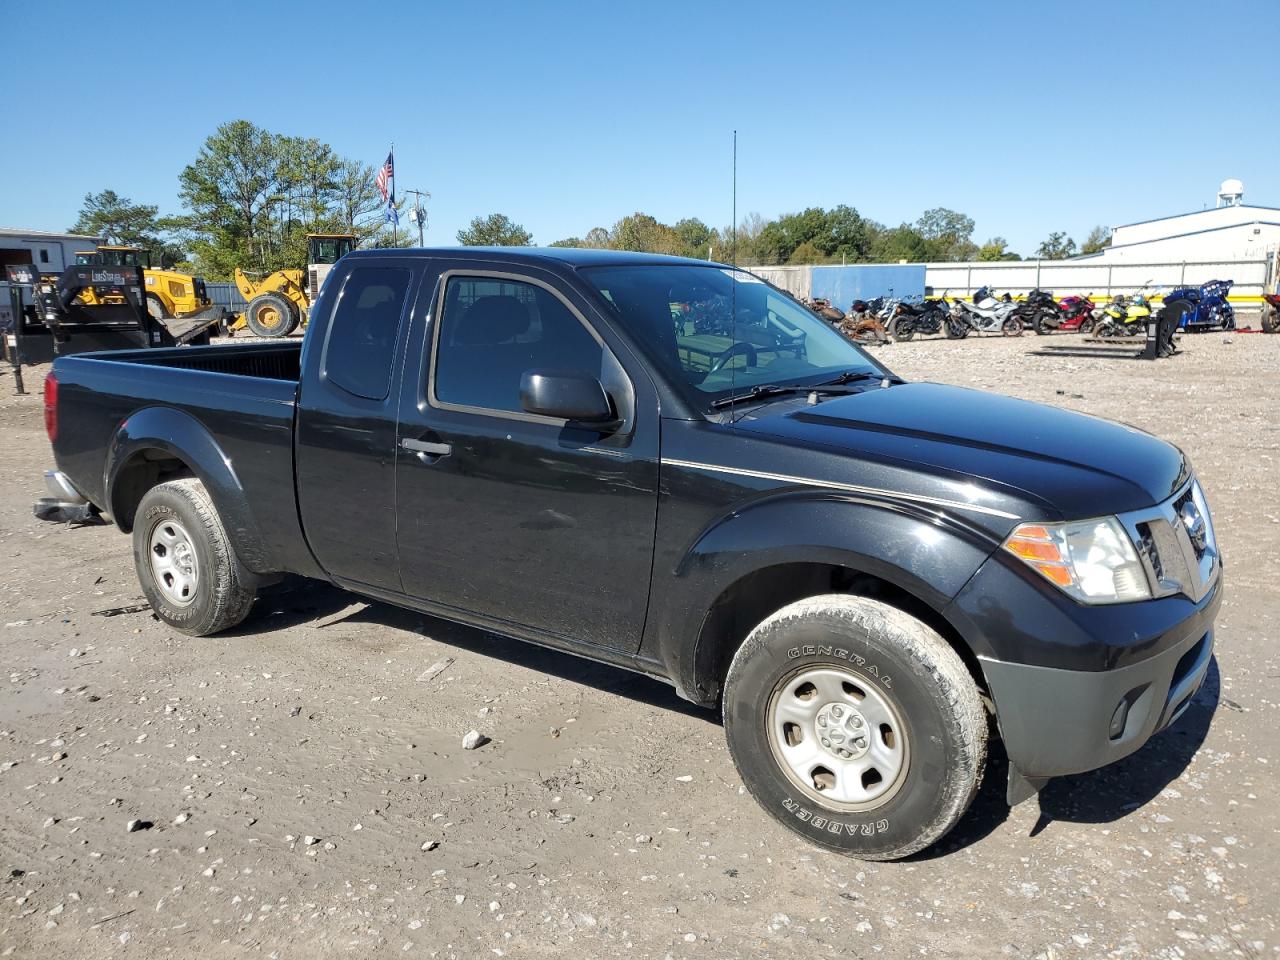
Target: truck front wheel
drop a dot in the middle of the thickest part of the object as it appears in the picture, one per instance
(185, 562)
(855, 725)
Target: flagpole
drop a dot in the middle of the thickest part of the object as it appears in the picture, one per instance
(395, 233)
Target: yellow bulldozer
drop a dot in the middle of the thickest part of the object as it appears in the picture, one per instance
(282, 300)
(169, 293)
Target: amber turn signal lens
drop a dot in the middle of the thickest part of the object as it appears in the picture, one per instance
(1035, 545)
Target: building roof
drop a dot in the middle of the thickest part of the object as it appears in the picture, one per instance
(15, 232)
(1175, 216)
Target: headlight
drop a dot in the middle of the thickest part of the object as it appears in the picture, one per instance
(1093, 561)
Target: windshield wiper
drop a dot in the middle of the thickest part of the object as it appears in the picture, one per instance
(853, 376)
(759, 393)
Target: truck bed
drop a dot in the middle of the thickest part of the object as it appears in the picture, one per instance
(268, 361)
(240, 398)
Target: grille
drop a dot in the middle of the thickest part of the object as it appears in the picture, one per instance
(1176, 544)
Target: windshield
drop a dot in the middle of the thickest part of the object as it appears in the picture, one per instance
(723, 331)
(330, 249)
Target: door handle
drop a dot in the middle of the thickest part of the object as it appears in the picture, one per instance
(427, 448)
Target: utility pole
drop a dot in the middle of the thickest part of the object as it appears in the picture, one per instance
(419, 213)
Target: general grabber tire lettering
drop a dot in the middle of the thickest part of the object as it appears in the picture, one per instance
(185, 562)
(855, 725)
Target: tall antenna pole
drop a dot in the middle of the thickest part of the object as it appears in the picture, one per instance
(733, 288)
(734, 251)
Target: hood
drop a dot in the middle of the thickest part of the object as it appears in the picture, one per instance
(1072, 464)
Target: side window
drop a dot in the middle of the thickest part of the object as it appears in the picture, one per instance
(44, 255)
(362, 333)
(492, 331)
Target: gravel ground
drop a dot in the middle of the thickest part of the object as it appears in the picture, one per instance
(299, 787)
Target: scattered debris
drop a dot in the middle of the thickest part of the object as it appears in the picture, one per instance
(435, 670)
(133, 826)
(347, 611)
(473, 740)
(120, 611)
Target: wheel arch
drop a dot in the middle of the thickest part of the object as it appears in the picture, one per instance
(157, 444)
(729, 582)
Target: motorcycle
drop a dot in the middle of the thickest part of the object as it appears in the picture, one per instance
(1077, 314)
(1124, 316)
(925, 318)
(1203, 307)
(985, 314)
(1039, 311)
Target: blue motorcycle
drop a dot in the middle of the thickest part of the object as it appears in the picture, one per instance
(1204, 307)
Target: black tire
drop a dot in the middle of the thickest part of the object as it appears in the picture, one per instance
(903, 329)
(155, 307)
(219, 597)
(1039, 326)
(891, 658)
(956, 329)
(270, 315)
(1086, 326)
(1270, 318)
(1011, 327)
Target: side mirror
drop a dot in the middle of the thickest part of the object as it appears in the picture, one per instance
(571, 396)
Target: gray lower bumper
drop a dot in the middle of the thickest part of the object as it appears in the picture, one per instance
(1056, 722)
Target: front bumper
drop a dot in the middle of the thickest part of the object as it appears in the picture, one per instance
(1056, 722)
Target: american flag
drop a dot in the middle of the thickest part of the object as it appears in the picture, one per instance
(385, 174)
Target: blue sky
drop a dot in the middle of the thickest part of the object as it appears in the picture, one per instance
(1029, 117)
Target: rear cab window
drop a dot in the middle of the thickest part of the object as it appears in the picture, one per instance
(362, 332)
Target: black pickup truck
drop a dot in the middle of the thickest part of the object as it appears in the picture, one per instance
(672, 466)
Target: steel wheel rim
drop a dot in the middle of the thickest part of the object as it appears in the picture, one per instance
(175, 567)
(269, 317)
(838, 738)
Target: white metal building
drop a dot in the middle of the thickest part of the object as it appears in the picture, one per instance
(1233, 230)
(50, 252)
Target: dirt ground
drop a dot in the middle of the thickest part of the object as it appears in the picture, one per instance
(305, 793)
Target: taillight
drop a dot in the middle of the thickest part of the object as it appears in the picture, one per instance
(51, 407)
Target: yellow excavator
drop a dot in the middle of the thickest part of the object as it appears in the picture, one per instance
(168, 293)
(282, 300)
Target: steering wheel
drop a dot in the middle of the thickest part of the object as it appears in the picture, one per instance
(741, 347)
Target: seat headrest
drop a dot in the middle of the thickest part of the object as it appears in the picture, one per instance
(492, 320)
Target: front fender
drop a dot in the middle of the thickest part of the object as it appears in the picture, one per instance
(183, 437)
(927, 553)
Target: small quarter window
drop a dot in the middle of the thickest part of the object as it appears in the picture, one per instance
(494, 330)
(44, 256)
(362, 333)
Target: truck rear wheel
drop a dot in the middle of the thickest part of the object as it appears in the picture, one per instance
(185, 562)
(855, 725)
(270, 315)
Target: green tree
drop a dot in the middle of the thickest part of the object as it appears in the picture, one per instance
(231, 190)
(997, 248)
(495, 230)
(948, 233)
(1099, 239)
(1058, 247)
(643, 233)
(695, 236)
(117, 219)
(807, 252)
(900, 243)
(569, 242)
